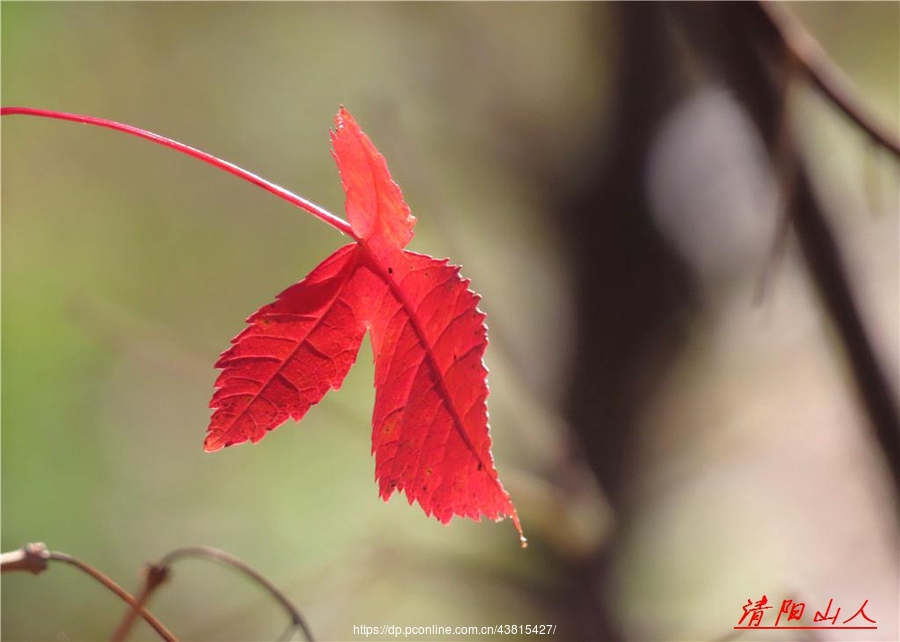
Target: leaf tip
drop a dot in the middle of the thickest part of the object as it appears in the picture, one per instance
(343, 118)
(211, 444)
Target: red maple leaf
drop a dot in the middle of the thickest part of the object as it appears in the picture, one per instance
(430, 434)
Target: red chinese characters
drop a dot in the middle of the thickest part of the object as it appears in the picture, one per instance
(755, 611)
(794, 610)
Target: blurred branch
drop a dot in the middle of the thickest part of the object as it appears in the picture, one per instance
(735, 39)
(633, 293)
(776, 23)
(784, 164)
(33, 558)
(158, 573)
(873, 188)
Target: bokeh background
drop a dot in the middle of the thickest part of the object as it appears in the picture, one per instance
(675, 443)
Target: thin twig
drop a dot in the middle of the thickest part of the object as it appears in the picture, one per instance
(825, 75)
(159, 572)
(154, 577)
(34, 557)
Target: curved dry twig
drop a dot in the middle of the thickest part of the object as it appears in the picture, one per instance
(159, 573)
(33, 558)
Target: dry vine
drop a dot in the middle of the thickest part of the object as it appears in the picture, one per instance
(33, 558)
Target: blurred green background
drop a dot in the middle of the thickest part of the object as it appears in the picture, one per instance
(127, 268)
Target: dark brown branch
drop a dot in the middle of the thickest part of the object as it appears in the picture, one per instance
(159, 572)
(34, 557)
(777, 23)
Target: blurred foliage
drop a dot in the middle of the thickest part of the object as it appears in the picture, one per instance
(127, 268)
